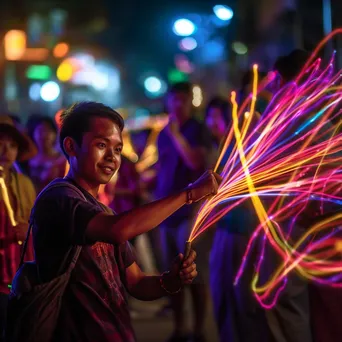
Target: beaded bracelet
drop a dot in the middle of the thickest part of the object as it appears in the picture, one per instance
(162, 285)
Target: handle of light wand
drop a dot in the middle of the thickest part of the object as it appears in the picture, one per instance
(187, 250)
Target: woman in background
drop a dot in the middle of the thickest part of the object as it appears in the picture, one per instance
(49, 163)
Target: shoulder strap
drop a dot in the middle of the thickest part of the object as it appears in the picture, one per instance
(43, 192)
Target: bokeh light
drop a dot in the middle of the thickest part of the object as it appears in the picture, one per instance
(15, 44)
(223, 12)
(153, 84)
(197, 96)
(34, 91)
(50, 91)
(184, 27)
(65, 71)
(183, 64)
(60, 50)
(188, 44)
(239, 48)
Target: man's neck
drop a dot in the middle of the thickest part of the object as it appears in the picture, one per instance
(92, 189)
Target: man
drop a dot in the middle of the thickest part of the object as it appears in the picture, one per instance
(14, 146)
(94, 305)
(183, 148)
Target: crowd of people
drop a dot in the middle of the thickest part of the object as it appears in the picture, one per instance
(68, 164)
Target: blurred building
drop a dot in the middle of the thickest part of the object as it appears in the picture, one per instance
(38, 37)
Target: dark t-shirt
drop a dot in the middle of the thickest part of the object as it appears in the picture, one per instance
(94, 306)
(173, 174)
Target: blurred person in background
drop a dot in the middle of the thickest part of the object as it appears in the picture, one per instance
(238, 316)
(14, 146)
(49, 163)
(184, 146)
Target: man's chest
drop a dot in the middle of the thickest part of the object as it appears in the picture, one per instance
(103, 255)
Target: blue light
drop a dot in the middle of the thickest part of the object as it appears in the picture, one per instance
(153, 84)
(184, 27)
(34, 91)
(50, 91)
(222, 12)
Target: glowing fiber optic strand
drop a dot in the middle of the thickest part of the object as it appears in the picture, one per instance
(311, 155)
(309, 132)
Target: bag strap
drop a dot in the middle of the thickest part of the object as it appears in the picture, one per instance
(78, 248)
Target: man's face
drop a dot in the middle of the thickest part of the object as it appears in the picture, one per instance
(215, 122)
(99, 156)
(179, 105)
(8, 151)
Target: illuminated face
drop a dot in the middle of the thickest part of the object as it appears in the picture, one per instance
(8, 151)
(215, 122)
(99, 156)
(179, 105)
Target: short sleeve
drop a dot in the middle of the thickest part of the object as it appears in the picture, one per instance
(62, 216)
(128, 254)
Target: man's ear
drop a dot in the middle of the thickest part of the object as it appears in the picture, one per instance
(69, 145)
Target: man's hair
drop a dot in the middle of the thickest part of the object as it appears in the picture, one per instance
(290, 66)
(76, 120)
(181, 87)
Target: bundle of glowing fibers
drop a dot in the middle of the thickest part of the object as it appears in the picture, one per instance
(288, 164)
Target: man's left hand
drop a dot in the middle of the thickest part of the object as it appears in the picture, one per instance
(183, 272)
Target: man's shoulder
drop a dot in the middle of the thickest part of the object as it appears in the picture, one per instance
(60, 188)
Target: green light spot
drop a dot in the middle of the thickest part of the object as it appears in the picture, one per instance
(38, 72)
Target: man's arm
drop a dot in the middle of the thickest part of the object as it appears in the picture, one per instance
(145, 287)
(194, 158)
(117, 229)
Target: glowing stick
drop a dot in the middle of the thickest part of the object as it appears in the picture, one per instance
(8, 203)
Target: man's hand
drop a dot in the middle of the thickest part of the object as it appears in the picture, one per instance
(182, 272)
(206, 186)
